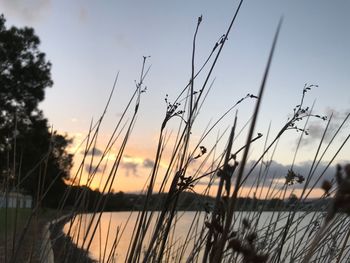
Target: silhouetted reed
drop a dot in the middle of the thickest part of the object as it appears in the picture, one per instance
(220, 231)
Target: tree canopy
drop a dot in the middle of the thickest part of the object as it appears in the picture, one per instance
(32, 157)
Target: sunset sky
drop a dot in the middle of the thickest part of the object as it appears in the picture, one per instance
(89, 42)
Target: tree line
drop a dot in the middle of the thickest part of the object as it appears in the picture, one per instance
(33, 157)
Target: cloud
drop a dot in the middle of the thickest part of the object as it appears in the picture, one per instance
(133, 164)
(92, 168)
(276, 173)
(131, 168)
(316, 127)
(29, 11)
(148, 163)
(94, 151)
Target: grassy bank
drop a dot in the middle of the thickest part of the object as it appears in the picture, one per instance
(13, 218)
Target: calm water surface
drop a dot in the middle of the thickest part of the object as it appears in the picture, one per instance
(120, 225)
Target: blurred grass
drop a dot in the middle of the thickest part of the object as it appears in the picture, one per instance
(22, 217)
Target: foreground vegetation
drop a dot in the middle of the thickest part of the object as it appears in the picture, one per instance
(224, 171)
(12, 218)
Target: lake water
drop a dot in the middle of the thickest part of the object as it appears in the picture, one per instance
(267, 225)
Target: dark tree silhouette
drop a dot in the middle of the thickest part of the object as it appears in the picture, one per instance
(31, 156)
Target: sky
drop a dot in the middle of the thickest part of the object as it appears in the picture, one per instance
(90, 42)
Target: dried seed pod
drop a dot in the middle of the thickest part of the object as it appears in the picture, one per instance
(235, 245)
(251, 237)
(245, 223)
(326, 186)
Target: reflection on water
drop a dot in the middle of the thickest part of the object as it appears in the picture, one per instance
(113, 234)
(116, 228)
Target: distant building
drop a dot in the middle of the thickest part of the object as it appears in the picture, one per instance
(15, 200)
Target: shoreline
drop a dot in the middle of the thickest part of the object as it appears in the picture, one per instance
(62, 246)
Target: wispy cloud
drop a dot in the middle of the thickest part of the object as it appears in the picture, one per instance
(316, 128)
(131, 168)
(132, 165)
(92, 168)
(93, 151)
(148, 163)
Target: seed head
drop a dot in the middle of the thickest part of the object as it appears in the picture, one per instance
(251, 237)
(245, 223)
(235, 245)
(326, 186)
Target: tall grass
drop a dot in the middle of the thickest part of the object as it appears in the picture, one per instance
(217, 233)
